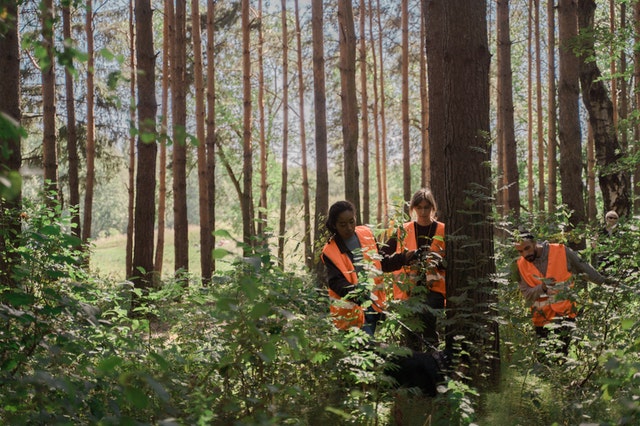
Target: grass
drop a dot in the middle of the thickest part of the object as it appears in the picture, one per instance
(108, 254)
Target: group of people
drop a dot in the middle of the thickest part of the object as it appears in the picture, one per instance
(355, 262)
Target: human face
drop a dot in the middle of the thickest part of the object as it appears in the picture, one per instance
(527, 249)
(346, 224)
(612, 219)
(423, 212)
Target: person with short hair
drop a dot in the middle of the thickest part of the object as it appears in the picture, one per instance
(544, 272)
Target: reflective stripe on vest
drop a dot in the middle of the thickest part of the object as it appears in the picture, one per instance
(546, 307)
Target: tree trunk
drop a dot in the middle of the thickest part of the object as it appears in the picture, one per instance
(349, 101)
(406, 151)
(49, 138)
(614, 182)
(203, 191)
(264, 153)
(320, 115)
(552, 162)
(530, 173)
(636, 127)
(364, 111)
(458, 55)
(539, 115)
(211, 123)
(132, 144)
(91, 128)
(10, 155)
(147, 148)
(425, 170)
(179, 113)
(72, 133)
(247, 167)
(303, 146)
(510, 188)
(167, 37)
(285, 135)
(381, 205)
(572, 187)
(383, 121)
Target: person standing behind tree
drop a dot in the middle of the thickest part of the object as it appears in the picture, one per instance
(354, 268)
(425, 279)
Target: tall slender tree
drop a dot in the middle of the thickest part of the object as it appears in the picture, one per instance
(285, 134)
(247, 149)
(211, 121)
(132, 142)
(425, 170)
(206, 247)
(179, 114)
(72, 128)
(406, 146)
(49, 134)
(636, 91)
(262, 141)
(552, 113)
(349, 101)
(10, 145)
(364, 116)
(572, 187)
(303, 144)
(147, 148)
(91, 129)
(539, 112)
(320, 116)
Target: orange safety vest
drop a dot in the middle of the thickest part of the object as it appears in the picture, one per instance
(546, 307)
(405, 276)
(345, 313)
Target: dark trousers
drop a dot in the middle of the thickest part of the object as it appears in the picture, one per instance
(561, 329)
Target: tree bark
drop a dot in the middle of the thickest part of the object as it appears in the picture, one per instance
(211, 123)
(179, 113)
(320, 116)
(572, 187)
(552, 114)
(347, 42)
(10, 155)
(406, 151)
(285, 135)
(147, 148)
(458, 55)
(247, 166)
(614, 182)
(364, 112)
(91, 129)
(49, 137)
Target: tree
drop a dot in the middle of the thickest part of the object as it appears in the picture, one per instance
(303, 145)
(91, 138)
(320, 117)
(349, 101)
(614, 181)
(10, 145)
(206, 246)
(509, 188)
(47, 69)
(179, 114)
(211, 121)
(459, 135)
(147, 148)
(406, 153)
(285, 135)
(132, 143)
(364, 112)
(247, 155)
(552, 113)
(569, 119)
(72, 132)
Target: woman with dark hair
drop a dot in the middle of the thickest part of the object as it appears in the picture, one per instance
(424, 281)
(354, 270)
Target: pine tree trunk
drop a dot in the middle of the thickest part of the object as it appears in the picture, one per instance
(91, 129)
(285, 136)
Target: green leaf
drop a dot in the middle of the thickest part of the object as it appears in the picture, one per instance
(136, 396)
(108, 365)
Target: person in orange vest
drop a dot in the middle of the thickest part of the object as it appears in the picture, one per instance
(544, 273)
(425, 279)
(354, 268)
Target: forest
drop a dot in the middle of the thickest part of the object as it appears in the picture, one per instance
(208, 140)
